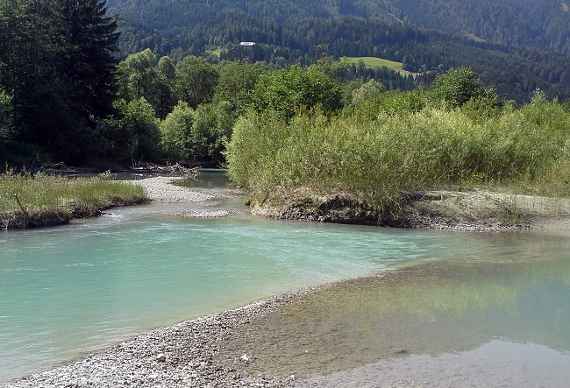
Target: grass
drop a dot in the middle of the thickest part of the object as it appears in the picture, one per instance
(376, 63)
(27, 201)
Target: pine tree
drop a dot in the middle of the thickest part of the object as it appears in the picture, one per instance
(88, 55)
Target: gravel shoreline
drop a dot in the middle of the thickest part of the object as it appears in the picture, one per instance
(182, 355)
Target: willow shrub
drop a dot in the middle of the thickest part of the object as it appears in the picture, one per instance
(377, 159)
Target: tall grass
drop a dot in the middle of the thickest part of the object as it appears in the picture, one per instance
(33, 195)
(379, 155)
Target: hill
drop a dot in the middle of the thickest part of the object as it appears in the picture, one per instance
(518, 54)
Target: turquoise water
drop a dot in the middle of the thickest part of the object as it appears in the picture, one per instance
(68, 290)
(74, 289)
(488, 318)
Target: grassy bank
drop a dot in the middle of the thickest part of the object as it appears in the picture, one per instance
(402, 143)
(36, 201)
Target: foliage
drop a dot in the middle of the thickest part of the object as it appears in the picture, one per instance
(212, 128)
(236, 83)
(198, 134)
(176, 132)
(6, 111)
(378, 158)
(458, 86)
(287, 91)
(133, 134)
(500, 40)
(367, 91)
(195, 81)
(58, 63)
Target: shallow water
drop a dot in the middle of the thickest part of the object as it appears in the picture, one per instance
(73, 289)
(497, 316)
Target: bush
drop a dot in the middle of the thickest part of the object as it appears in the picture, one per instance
(380, 158)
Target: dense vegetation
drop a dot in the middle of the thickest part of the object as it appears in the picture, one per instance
(65, 95)
(517, 46)
(455, 134)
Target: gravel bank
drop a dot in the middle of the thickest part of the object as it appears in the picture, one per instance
(182, 355)
(179, 201)
(161, 189)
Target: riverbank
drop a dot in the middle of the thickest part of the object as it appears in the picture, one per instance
(462, 329)
(479, 210)
(183, 355)
(28, 202)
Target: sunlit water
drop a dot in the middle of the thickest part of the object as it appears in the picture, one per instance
(73, 289)
(488, 317)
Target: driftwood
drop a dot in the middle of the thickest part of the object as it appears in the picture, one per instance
(173, 169)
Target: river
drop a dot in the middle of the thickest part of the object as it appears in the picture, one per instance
(74, 289)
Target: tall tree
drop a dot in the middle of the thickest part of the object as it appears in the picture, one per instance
(88, 55)
(58, 65)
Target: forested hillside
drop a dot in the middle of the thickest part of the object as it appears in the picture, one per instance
(517, 46)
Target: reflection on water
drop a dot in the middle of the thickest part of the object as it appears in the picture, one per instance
(451, 313)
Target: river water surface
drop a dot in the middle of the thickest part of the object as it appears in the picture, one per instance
(73, 289)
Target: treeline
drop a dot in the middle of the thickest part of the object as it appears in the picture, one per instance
(150, 108)
(292, 32)
(541, 24)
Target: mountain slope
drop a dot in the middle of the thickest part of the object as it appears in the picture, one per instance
(426, 35)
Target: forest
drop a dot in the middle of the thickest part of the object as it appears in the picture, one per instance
(515, 46)
(67, 94)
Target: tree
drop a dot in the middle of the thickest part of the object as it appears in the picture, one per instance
(167, 96)
(367, 91)
(88, 56)
(138, 123)
(176, 132)
(288, 90)
(195, 81)
(6, 111)
(212, 128)
(138, 77)
(458, 86)
(236, 83)
(58, 65)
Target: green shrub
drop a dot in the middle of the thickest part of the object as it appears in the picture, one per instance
(379, 158)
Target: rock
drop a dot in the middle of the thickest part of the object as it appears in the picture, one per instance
(245, 358)
(161, 357)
